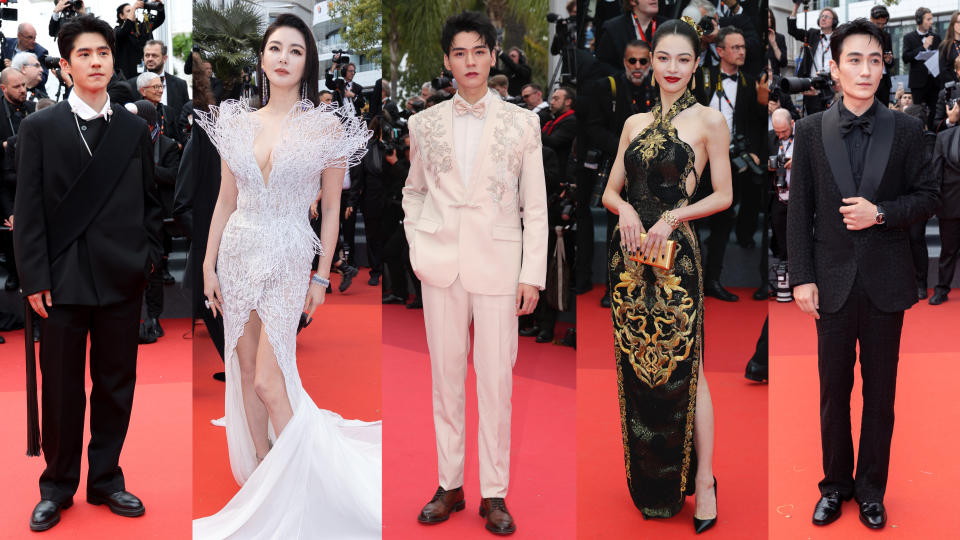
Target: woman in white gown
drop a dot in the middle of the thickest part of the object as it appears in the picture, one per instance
(305, 472)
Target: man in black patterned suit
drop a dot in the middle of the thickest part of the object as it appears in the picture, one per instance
(850, 261)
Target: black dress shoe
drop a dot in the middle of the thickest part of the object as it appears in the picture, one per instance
(756, 371)
(416, 304)
(546, 336)
(529, 331)
(938, 298)
(570, 338)
(374, 280)
(701, 525)
(348, 272)
(873, 515)
(921, 291)
(167, 277)
(828, 509)
(763, 292)
(47, 514)
(582, 288)
(715, 289)
(392, 299)
(11, 285)
(122, 503)
(2, 340)
(148, 333)
(605, 301)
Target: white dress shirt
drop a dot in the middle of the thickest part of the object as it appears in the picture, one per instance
(822, 55)
(717, 102)
(467, 129)
(86, 112)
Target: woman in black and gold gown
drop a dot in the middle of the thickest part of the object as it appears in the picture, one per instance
(665, 408)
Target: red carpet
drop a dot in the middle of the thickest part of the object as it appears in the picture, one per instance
(541, 496)
(923, 471)
(338, 356)
(604, 507)
(155, 459)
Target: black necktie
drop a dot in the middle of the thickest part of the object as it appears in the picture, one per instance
(847, 123)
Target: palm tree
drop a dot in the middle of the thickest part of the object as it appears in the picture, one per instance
(228, 38)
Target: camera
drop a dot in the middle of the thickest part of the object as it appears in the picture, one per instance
(443, 81)
(778, 164)
(50, 62)
(740, 156)
(72, 9)
(342, 59)
(153, 6)
(951, 92)
(795, 85)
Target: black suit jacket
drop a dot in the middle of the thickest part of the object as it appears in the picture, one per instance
(919, 77)
(108, 262)
(897, 176)
(946, 168)
(602, 117)
(809, 38)
(560, 139)
(749, 117)
(131, 37)
(334, 84)
(616, 33)
(782, 45)
(176, 93)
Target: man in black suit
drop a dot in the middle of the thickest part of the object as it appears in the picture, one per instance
(150, 87)
(132, 35)
(532, 96)
(946, 168)
(174, 88)
(13, 110)
(560, 132)
(922, 83)
(605, 105)
(638, 21)
(860, 179)
(815, 55)
(880, 16)
(83, 269)
(339, 79)
(734, 93)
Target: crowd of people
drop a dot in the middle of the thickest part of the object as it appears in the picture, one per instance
(930, 94)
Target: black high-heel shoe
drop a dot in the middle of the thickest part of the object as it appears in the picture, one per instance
(700, 525)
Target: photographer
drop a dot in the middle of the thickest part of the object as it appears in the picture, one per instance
(638, 21)
(879, 16)
(62, 10)
(946, 167)
(922, 83)
(946, 100)
(396, 255)
(339, 78)
(742, 101)
(559, 133)
(815, 55)
(26, 41)
(780, 150)
(132, 35)
(27, 64)
(12, 111)
(516, 69)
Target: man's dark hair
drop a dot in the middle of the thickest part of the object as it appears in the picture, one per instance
(920, 14)
(854, 27)
(322, 92)
(468, 21)
(879, 12)
(152, 42)
(635, 43)
(569, 92)
(678, 27)
(84, 24)
(311, 68)
(120, 13)
(918, 111)
(726, 31)
(537, 88)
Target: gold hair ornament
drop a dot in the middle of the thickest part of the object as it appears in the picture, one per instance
(694, 25)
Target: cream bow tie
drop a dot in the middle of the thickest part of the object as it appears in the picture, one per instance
(462, 107)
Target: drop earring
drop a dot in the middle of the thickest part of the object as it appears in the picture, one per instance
(653, 81)
(265, 95)
(303, 90)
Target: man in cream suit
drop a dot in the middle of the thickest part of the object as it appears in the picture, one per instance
(476, 171)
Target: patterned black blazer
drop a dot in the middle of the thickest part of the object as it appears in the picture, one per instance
(896, 175)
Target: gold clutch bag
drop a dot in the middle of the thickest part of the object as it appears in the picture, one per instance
(664, 261)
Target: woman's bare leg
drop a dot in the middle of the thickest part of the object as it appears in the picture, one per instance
(270, 386)
(706, 507)
(255, 411)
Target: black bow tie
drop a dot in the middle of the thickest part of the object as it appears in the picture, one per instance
(847, 123)
(733, 77)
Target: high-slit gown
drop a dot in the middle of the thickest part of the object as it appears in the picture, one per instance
(658, 324)
(322, 476)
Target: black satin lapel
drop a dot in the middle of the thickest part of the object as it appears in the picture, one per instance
(836, 152)
(878, 152)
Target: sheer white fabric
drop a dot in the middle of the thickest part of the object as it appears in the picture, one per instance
(322, 478)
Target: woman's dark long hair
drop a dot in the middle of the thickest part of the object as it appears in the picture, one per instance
(951, 35)
(311, 68)
(202, 90)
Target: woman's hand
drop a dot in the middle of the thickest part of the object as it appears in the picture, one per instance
(315, 296)
(630, 228)
(211, 290)
(655, 244)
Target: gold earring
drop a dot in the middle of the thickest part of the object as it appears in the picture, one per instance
(653, 81)
(693, 82)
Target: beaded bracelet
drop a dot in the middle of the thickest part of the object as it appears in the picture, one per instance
(671, 219)
(323, 282)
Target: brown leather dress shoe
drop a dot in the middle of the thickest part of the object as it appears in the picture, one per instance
(440, 506)
(499, 520)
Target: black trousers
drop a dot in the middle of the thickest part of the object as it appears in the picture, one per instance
(949, 252)
(348, 232)
(751, 188)
(396, 258)
(113, 334)
(918, 249)
(778, 221)
(6, 247)
(583, 262)
(373, 226)
(878, 334)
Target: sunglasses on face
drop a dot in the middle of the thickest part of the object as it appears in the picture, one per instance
(641, 61)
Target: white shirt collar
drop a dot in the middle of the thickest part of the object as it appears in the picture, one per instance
(86, 112)
(485, 99)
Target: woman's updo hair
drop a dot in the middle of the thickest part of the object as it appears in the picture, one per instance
(678, 27)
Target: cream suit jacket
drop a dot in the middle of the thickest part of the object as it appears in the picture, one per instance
(473, 229)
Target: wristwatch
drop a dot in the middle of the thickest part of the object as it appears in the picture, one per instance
(881, 217)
